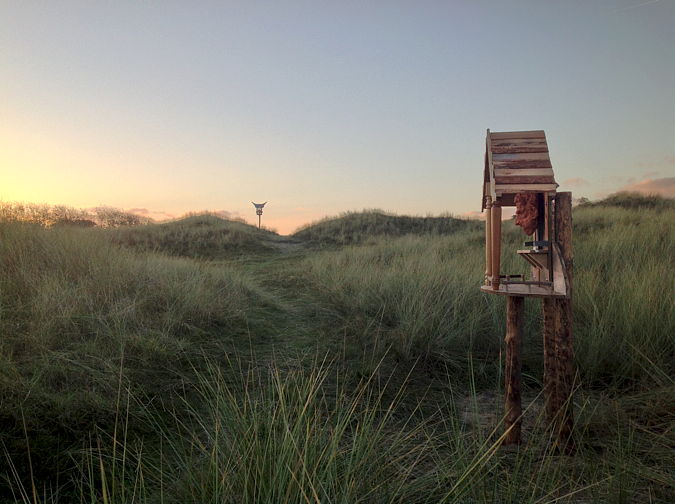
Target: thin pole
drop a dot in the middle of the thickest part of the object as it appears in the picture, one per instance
(496, 227)
(488, 240)
(513, 407)
(259, 217)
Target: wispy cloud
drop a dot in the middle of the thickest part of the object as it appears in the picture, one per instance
(473, 214)
(226, 214)
(152, 214)
(139, 211)
(613, 180)
(663, 186)
(650, 174)
(635, 6)
(575, 182)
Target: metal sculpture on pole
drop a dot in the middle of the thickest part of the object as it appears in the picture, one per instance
(259, 210)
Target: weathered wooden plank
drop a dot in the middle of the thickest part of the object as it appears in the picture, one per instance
(500, 135)
(513, 408)
(518, 149)
(523, 163)
(524, 180)
(521, 290)
(516, 188)
(525, 172)
(518, 141)
(560, 284)
(515, 139)
(525, 156)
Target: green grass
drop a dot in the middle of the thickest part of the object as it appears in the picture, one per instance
(74, 310)
(360, 227)
(134, 370)
(62, 215)
(632, 200)
(201, 236)
(419, 293)
(270, 434)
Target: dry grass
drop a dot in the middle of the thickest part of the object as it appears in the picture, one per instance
(129, 375)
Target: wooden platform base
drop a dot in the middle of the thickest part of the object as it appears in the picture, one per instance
(522, 290)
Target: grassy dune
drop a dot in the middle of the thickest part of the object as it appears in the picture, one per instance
(201, 236)
(132, 370)
(419, 294)
(78, 315)
(360, 227)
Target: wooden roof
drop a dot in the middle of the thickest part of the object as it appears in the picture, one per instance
(516, 162)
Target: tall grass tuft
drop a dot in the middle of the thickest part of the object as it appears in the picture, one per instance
(72, 305)
(280, 436)
(421, 293)
(267, 434)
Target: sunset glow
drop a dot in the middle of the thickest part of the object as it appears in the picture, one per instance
(170, 108)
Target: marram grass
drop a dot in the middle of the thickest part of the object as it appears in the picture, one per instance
(130, 375)
(421, 293)
(274, 435)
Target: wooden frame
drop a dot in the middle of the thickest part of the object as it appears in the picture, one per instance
(518, 162)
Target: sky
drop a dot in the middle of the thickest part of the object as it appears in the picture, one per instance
(320, 107)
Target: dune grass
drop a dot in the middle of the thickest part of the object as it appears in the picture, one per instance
(419, 293)
(270, 434)
(359, 373)
(359, 227)
(202, 236)
(632, 200)
(74, 310)
(63, 215)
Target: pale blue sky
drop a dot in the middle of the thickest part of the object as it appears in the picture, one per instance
(321, 107)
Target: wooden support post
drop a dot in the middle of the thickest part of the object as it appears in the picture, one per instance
(547, 214)
(512, 373)
(496, 226)
(558, 342)
(488, 240)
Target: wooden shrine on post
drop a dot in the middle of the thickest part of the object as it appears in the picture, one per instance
(518, 173)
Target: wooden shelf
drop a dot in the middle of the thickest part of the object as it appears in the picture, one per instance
(523, 290)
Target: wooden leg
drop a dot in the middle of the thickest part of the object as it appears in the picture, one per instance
(496, 226)
(512, 374)
(488, 241)
(559, 371)
(558, 342)
(550, 359)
